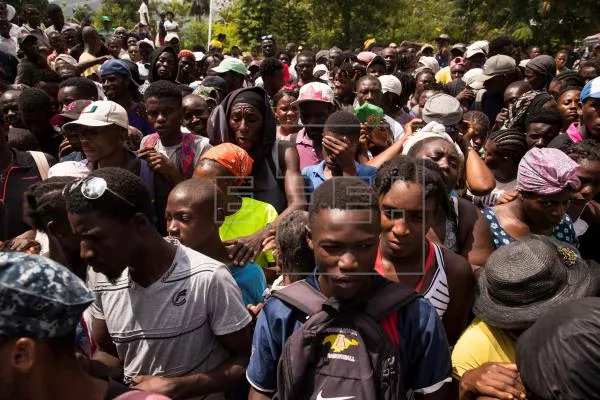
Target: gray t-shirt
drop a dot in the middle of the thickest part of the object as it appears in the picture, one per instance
(201, 144)
(170, 328)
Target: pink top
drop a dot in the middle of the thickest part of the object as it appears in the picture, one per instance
(306, 151)
(573, 132)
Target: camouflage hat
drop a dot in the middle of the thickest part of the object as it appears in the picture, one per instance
(39, 297)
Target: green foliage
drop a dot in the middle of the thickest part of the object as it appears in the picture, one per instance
(81, 11)
(194, 32)
(121, 12)
(290, 21)
(254, 20)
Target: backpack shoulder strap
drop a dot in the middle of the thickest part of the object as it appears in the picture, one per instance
(303, 296)
(147, 176)
(479, 98)
(389, 297)
(41, 162)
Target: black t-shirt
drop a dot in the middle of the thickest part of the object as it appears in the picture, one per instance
(561, 141)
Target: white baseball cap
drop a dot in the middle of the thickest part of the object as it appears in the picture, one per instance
(315, 91)
(170, 36)
(389, 83)
(99, 114)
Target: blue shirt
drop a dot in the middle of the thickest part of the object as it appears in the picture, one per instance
(314, 175)
(422, 338)
(252, 282)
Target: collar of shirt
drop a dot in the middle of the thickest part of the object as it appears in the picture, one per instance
(303, 139)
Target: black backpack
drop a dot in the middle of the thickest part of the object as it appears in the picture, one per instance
(342, 353)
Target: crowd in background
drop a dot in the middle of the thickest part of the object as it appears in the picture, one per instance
(402, 221)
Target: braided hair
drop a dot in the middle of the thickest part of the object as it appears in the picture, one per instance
(478, 118)
(294, 256)
(422, 171)
(511, 142)
(44, 202)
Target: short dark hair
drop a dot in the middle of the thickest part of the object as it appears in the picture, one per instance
(550, 116)
(344, 193)
(307, 54)
(270, 66)
(498, 44)
(478, 118)
(407, 169)
(52, 7)
(125, 184)
(163, 89)
(86, 87)
(587, 149)
(294, 256)
(570, 79)
(282, 93)
(44, 202)
(343, 123)
(46, 75)
(35, 100)
(592, 62)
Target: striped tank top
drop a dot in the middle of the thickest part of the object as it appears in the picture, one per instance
(437, 292)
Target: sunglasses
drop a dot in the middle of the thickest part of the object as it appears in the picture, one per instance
(266, 37)
(93, 188)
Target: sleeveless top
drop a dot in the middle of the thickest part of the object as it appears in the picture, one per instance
(268, 180)
(437, 292)
(563, 231)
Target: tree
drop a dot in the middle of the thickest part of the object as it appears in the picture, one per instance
(200, 7)
(254, 20)
(81, 11)
(290, 21)
(121, 12)
(41, 5)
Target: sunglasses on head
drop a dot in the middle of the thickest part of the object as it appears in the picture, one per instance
(266, 37)
(93, 188)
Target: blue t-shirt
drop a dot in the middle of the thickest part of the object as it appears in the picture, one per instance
(422, 337)
(252, 282)
(314, 175)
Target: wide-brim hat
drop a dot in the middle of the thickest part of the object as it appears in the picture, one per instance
(523, 280)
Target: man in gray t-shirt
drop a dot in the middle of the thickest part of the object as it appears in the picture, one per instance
(169, 318)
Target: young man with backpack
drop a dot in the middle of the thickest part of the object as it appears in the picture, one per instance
(344, 332)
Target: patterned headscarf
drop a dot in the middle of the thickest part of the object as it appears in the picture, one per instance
(235, 159)
(546, 172)
(528, 102)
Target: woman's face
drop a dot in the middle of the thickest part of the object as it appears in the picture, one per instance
(287, 113)
(405, 218)
(567, 105)
(246, 124)
(445, 156)
(479, 136)
(423, 80)
(546, 211)
(166, 65)
(458, 71)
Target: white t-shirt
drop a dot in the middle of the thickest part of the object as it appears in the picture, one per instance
(170, 26)
(170, 328)
(172, 152)
(143, 11)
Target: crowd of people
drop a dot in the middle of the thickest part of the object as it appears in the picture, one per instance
(405, 221)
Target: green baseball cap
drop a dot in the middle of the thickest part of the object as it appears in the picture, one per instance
(105, 18)
(231, 64)
(369, 114)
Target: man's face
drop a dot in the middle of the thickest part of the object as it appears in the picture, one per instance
(561, 60)
(376, 70)
(304, 68)
(589, 176)
(114, 47)
(391, 59)
(165, 65)
(195, 114)
(588, 73)
(32, 16)
(536, 80)
(187, 66)
(145, 52)
(273, 83)
(313, 115)
(105, 243)
(165, 115)
(57, 17)
(192, 224)
(345, 244)
(590, 114)
(511, 95)
(70, 37)
(342, 84)
(369, 91)
(10, 108)
(114, 86)
(540, 134)
(268, 48)
(134, 53)
(67, 95)
(476, 61)
(100, 143)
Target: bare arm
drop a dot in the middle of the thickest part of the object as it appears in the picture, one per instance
(480, 180)
(256, 395)
(82, 66)
(460, 286)
(476, 237)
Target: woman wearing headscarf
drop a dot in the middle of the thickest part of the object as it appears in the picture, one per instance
(546, 181)
(529, 102)
(231, 165)
(245, 118)
(163, 65)
(468, 235)
(540, 71)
